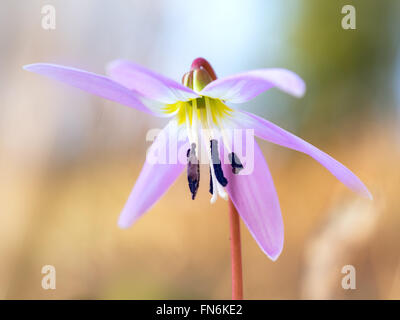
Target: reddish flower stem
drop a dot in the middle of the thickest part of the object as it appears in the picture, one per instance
(236, 253)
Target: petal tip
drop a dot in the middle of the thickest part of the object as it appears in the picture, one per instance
(367, 194)
(40, 67)
(274, 254)
(298, 90)
(30, 67)
(362, 190)
(301, 91)
(293, 84)
(112, 65)
(124, 223)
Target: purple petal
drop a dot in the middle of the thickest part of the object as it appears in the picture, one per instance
(255, 198)
(90, 82)
(155, 178)
(271, 132)
(245, 86)
(148, 83)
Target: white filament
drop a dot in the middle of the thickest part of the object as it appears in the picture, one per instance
(188, 127)
(217, 187)
(195, 133)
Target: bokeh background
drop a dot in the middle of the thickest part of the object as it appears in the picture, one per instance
(68, 160)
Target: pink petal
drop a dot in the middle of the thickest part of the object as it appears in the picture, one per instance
(271, 132)
(148, 83)
(245, 86)
(90, 82)
(154, 179)
(255, 198)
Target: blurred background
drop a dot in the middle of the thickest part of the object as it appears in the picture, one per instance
(68, 160)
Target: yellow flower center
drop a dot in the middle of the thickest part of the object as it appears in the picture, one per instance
(184, 110)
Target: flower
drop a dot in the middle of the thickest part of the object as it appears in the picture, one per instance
(200, 102)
